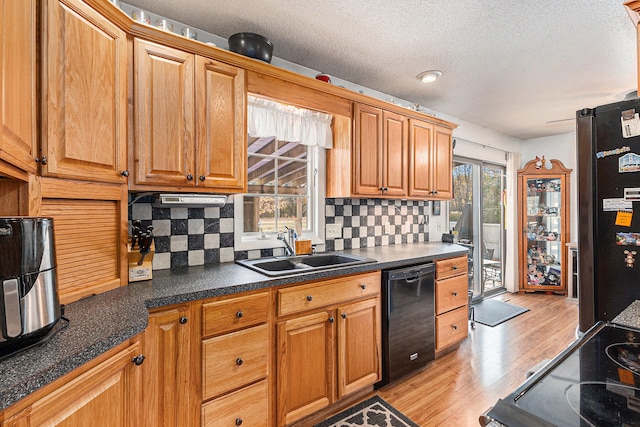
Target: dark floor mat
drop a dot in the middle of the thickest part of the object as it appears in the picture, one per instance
(492, 312)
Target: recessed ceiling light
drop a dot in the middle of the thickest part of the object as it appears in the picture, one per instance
(429, 76)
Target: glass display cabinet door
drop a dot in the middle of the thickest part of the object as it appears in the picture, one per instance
(544, 220)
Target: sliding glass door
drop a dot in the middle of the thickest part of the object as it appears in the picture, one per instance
(476, 217)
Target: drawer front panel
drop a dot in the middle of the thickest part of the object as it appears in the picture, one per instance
(233, 360)
(451, 327)
(248, 406)
(229, 315)
(451, 293)
(321, 294)
(451, 267)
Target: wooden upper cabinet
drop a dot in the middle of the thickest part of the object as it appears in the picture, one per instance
(18, 88)
(164, 108)
(431, 161)
(367, 150)
(395, 145)
(221, 133)
(380, 152)
(442, 163)
(85, 94)
(190, 121)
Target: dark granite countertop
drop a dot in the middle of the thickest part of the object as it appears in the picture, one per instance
(99, 323)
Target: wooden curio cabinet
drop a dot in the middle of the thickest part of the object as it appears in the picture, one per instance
(544, 222)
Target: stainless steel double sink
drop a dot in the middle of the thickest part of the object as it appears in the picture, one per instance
(281, 266)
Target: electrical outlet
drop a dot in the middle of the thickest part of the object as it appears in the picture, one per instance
(333, 231)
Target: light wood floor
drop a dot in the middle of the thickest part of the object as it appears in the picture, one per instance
(458, 387)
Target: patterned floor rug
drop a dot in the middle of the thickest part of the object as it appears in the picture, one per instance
(373, 412)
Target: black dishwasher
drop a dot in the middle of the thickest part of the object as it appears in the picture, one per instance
(408, 320)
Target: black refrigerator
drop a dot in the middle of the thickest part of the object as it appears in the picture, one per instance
(608, 154)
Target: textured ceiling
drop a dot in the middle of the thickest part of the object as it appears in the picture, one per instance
(517, 67)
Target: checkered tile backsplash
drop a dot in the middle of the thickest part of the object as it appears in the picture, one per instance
(196, 236)
(377, 222)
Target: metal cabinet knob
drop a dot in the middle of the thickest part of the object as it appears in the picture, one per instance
(189, 177)
(455, 267)
(455, 327)
(309, 297)
(42, 160)
(183, 320)
(331, 320)
(125, 173)
(239, 314)
(239, 361)
(344, 315)
(455, 294)
(202, 177)
(138, 360)
(238, 421)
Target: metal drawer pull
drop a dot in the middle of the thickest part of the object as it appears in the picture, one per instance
(455, 327)
(239, 361)
(455, 267)
(331, 320)
(344, 315)
(238, 421)
(309, 297)
(183, 320)
(239, 314)
(363, 286)
(455, 294)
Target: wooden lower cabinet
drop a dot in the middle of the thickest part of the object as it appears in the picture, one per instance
(306, 367)
(106, 395)
(359, 351)
(247, 406)
(451, 302)
(331, 349)
(171, 347)
(236, 361)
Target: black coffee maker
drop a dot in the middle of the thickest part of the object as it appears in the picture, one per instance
(29, 303)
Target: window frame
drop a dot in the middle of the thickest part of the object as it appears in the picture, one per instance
(317, 192)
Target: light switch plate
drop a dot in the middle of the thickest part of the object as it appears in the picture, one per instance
(334, 231)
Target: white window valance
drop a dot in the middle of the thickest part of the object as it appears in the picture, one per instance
(288, 123)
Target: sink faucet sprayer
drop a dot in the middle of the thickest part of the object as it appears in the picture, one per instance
(290, 242)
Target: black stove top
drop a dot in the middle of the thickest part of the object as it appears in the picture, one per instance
(594, 382)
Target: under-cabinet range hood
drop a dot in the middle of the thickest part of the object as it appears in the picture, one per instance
(189, 200)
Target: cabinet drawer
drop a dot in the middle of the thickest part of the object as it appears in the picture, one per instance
(247, 406)
(228, 315)
(321, 294)
(233, 360)
(451, 293)
(451, 267)
(451, 327)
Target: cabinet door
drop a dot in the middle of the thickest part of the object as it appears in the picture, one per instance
(107, 395)
(170, 373)
(163, 116)
(221, 133)
(85, 87)
(359, 346)
(442, 163)
(367, 149)
(420, 155)
(18, 71)
(395, 145)
(306, 371)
